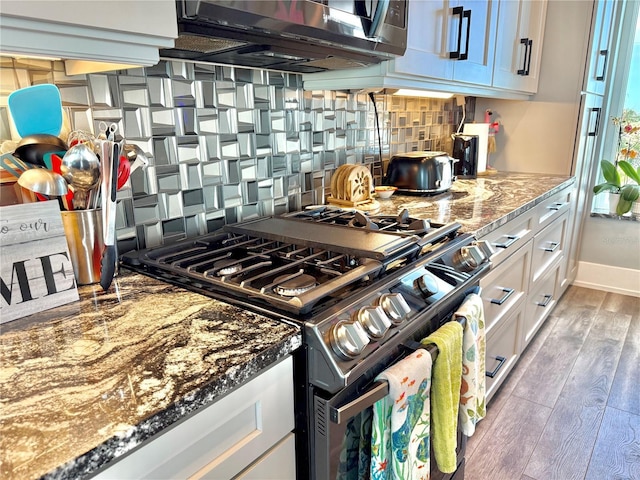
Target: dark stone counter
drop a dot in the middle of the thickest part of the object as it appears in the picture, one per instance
(480, 205)
(87, 382)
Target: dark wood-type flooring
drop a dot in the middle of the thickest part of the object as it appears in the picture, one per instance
(570, 409)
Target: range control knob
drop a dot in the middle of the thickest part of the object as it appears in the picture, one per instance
(427, 285)
(348, 339)
(374, 320)
(468, 258)
(395, 306)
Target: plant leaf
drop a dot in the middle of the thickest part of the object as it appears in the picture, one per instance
(610, 172)
(623, 206)
(630, 192)
(629, 171)
(604, 187)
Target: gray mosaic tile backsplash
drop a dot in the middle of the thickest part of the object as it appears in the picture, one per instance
(227, 143)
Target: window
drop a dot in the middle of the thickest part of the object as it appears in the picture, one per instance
(622, 130)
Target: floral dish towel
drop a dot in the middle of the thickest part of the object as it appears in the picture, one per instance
(401, 421)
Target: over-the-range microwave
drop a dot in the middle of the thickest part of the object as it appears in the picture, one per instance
(303, 36)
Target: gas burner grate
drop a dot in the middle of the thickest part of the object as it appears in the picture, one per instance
(258, 267)
(402, 224)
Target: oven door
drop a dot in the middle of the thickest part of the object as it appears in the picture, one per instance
(342, 422)
(343, 431)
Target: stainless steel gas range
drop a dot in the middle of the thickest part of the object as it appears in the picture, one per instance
(364, 289)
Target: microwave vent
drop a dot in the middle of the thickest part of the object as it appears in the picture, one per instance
(335, 63)
(197, 43)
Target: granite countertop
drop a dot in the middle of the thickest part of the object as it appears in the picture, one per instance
(87, 382)
(483, 204)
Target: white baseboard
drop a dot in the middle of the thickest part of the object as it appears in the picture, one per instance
(625, 281)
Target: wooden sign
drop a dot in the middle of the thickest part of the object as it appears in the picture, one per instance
(35, 268)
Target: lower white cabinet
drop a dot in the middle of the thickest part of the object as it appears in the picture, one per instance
(504, 290)
(523, 285)
(548, 247)
(540, 302)
(506, 286)
(277, 464)
(503, 349)
(246, 433)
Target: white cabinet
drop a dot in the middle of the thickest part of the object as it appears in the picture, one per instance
(588, 129)
(598, 60)
(244, 434)
(452, 47)
(505, 287)
(540, 303)
(117, 31)
(503, 350)
(504, 290)
(524, 282)
(519, 44)
(450, 40)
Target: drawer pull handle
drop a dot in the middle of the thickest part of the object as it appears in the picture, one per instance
(557, 206)
(512, 239)
(501, 361)
(507, 293)
(554, 246)
(545, 302)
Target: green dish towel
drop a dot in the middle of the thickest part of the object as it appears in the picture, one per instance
(445, 393)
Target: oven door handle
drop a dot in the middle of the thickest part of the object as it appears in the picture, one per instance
(342, 414)
(379, 389)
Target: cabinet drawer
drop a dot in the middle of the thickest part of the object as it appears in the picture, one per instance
(540, 303)
(511, 236)
(553, 207)
(548, 246)
(279, 463)
(504, 287)
(503, 347)
(222, 439)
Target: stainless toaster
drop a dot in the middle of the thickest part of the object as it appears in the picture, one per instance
(426, 173)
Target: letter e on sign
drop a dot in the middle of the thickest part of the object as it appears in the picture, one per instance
(36, 273)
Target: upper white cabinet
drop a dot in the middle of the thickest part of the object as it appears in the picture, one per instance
(469, 47)
(598, 61)
(451, 40)
(519, 44)
(116, 31)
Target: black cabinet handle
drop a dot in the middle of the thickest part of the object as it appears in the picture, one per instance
(529, 61)
(525, 42)
(508, 243)
(466, 14)
(605, 54)
(457, 54)
(501, 361)
(557, 205)
(554, 246)
(545, 302)
(596, 127)
(457, 11)
(507, 293)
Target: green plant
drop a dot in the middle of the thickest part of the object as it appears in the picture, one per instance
(620, 176)
(613, 183)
